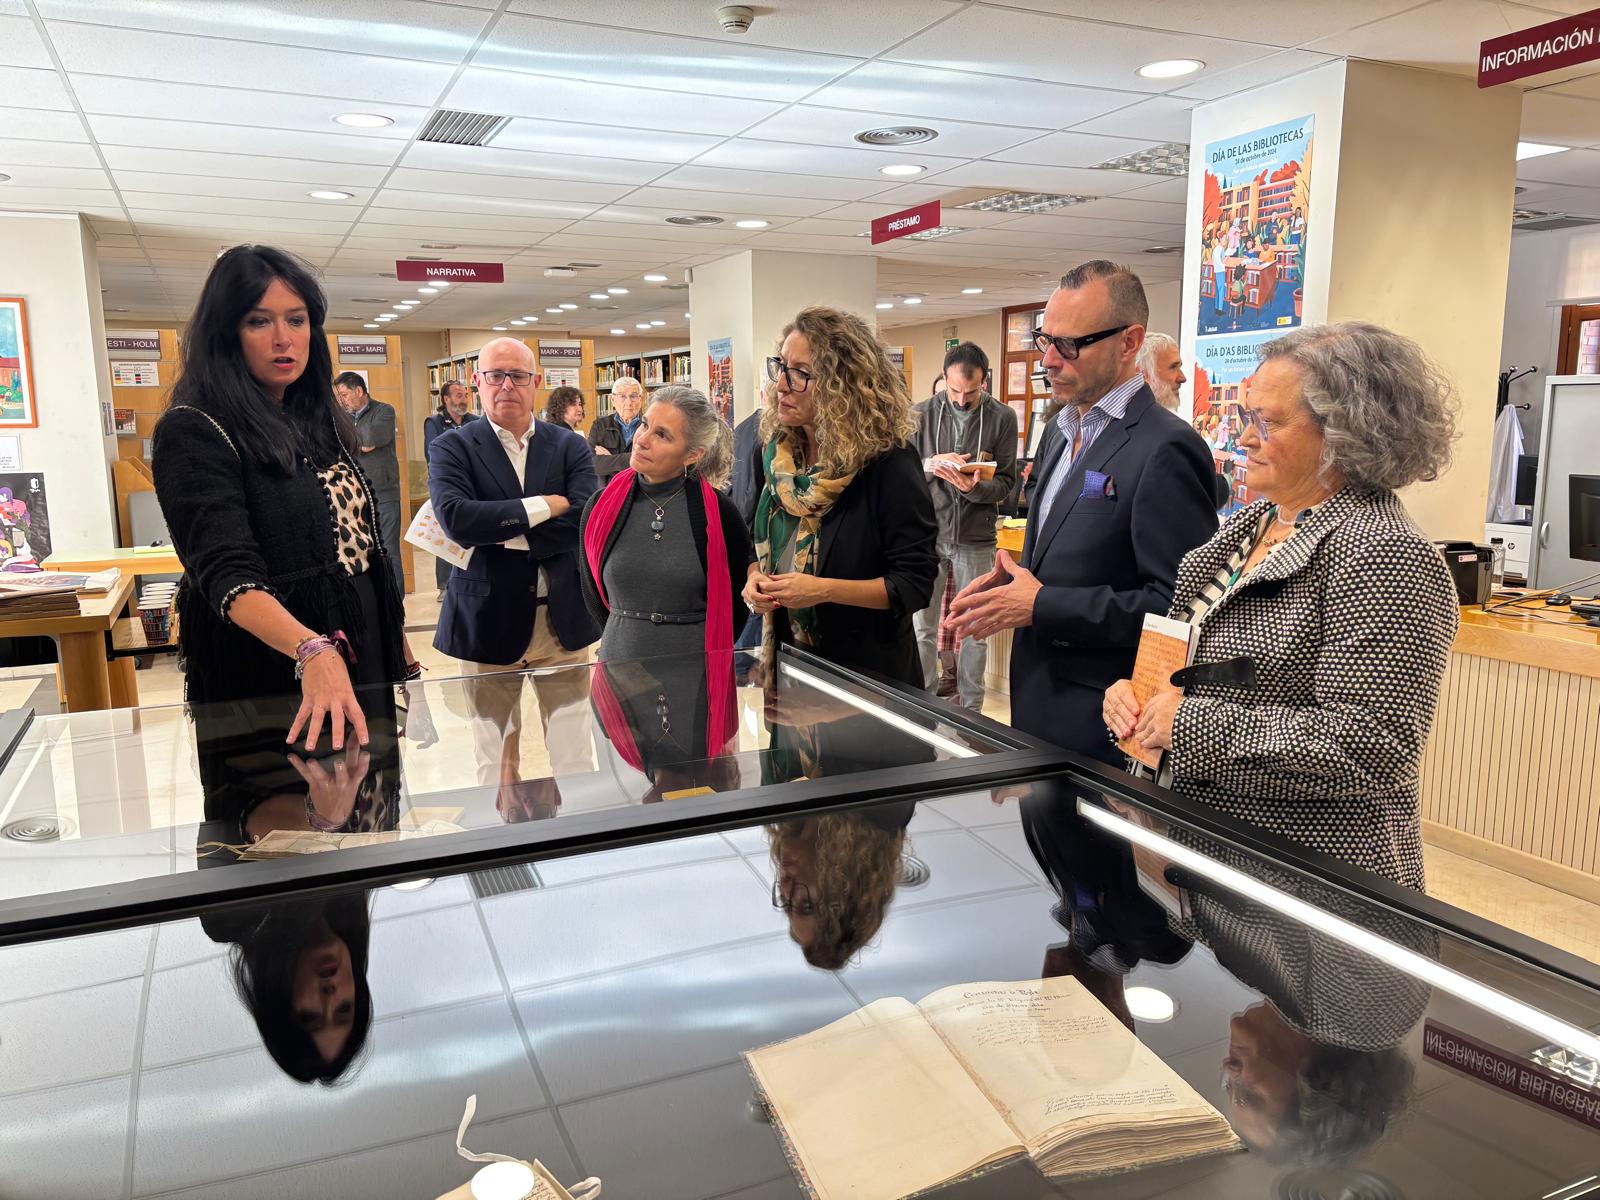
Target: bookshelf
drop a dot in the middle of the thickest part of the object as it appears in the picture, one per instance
(1020, 360)
(652, 368)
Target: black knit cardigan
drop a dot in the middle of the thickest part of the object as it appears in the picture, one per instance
(239, 524)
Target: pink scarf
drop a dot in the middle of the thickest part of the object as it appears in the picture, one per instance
(720, 715)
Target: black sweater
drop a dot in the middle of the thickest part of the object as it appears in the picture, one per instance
(734, 535)
(238, 524)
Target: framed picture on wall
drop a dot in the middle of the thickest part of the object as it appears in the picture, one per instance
(18, 401)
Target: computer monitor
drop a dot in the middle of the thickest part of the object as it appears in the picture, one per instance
(1527, 479)
(1583, 515)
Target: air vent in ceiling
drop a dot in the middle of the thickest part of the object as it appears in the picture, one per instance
(896, 135)
(368, 300)
(503, 881)
(583, 266)
(455, 128)
(441, 246)
(1169, 159)
(938, 231)
(1024, 202)
(700, 219)
(1533, 221)
(422, 258)
(674, 287)
(38, 829)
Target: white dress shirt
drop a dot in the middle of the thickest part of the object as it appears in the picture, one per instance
(538, 509)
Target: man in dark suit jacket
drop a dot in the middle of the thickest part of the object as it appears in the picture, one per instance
(511, 488)
(1122, 496)
(375, 427)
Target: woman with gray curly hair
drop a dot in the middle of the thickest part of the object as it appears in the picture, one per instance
(1342, 608)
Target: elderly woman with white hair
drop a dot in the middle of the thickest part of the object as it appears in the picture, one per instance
(1161, 362)
(1325, 617)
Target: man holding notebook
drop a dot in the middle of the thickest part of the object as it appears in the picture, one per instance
(1123, 494)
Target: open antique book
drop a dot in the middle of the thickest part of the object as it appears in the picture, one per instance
(897, 1098)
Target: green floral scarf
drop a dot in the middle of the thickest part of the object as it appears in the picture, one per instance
(791, 508)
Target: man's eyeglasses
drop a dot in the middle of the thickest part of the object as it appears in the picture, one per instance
(496, 378)
(1069, 347)
(798, 378)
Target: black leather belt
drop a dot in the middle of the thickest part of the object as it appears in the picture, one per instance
(661, 618)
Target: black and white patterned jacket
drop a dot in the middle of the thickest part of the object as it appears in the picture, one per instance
(1350, 624)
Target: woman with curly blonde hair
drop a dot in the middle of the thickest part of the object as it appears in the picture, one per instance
(834, 876)
(844, 525)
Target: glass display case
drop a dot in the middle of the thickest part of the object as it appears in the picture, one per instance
(315, 1026)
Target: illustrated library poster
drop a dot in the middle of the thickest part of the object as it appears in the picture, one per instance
(1221, 379)
(24, 518)
(1254, 226)
(720, 353)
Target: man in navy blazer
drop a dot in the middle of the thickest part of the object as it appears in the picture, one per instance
(1123, 494)
(512, 488)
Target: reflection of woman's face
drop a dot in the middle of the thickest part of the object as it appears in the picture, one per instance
(1265, 1059)
(797, 884)
(324, 993)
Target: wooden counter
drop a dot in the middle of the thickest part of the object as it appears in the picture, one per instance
(1509, 776)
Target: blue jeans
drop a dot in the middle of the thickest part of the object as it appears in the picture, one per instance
(966, 563)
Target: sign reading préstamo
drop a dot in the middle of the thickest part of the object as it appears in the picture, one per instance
(906, 222)
(1548, 47)
(408, 271)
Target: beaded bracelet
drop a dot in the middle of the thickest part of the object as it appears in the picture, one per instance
(315, 645)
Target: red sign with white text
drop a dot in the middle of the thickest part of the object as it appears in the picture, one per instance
(1547, 47)
(450, 272)
(903, 224)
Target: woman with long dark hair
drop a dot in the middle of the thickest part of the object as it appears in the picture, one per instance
(287, 591)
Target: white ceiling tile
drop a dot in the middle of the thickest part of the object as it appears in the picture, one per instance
(754, 182)
(829, 26)
(398, 28)
(42, 124)
(1274, 22)
(1170, 191)
(211, 61)
(1587, 86)
(176, 217)
(1080, 181)
(1146, 213)
(1574, 168)
(1212, 85)
(733, 203)
(1073, 150)
(14, 152)
(527, 164)
(446, 204)
(749, 154)
(1441, 36)
(243, 166)
(410, 179)
(623, 102)
(1560, 120)
(123, 97)
(46, 174)
(912, 91)
(203, 185)
(1012, 44)
(228, 139)
(21, 45)
(306, 210)
(838, 127)
(621, 55)
(41, 89)
(602, 141)
(1161, 119)
(19, 194)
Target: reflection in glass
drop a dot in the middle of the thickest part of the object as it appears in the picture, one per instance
(835, 876)
(300, 969)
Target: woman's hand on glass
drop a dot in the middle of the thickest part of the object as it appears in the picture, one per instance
(326, 694)
(332, 795)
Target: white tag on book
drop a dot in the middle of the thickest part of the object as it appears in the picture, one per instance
(427, 534)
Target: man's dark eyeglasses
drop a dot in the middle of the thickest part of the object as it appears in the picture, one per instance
(798, 378)
(495, 378)
(1068, 347)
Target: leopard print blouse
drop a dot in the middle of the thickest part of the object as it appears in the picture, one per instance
(348, 500)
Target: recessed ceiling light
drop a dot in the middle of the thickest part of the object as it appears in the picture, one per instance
(1170, 68)
(372, 325)
(618, 291)
(556, 311)
(642, 325)
(598, 296)
(1537, 150)
(428, 291)
(441, 283)
(567, 307)
(752, 224)
(408, 303)
(498, 328)
(384, 317)
(364, 120)
(618, 332)
(911, 300)
(531, 320)
(902, 169)
(655, 278)
(519, 322)
(688, 316)
(329, 194)
(972, 291)
(885, 304)
(1150, 1004)
(658, 322)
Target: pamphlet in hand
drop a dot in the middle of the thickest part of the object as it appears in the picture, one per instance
(427, 534)
(1165, 646)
